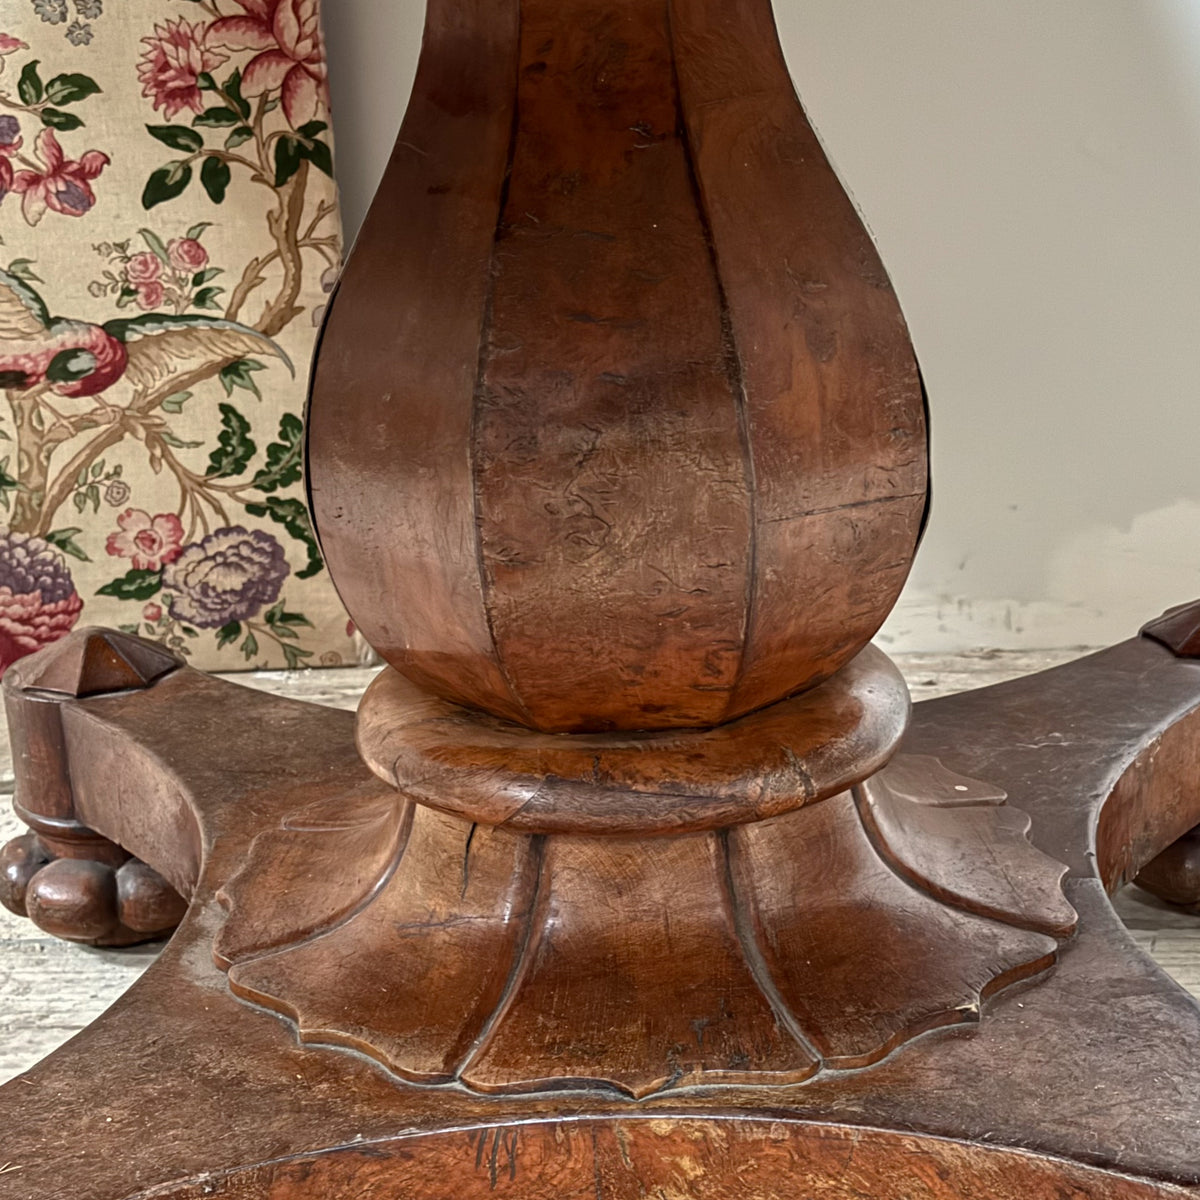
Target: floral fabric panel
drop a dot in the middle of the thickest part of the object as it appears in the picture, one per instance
(168, 237)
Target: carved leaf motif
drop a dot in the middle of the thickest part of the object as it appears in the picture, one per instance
(820, 939)
(651, 989)
(862, 958)
(964, 852)
(430, 954)
(278, 899)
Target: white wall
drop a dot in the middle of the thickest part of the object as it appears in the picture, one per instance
(1031, 171)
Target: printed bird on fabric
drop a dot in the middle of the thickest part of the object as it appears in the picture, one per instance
(76, 358)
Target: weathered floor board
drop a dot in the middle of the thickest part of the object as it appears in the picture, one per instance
(49, 989)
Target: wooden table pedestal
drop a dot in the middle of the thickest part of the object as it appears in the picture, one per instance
(868, 994)
(634, 876)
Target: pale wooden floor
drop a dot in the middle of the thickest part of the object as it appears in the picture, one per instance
(49, 989)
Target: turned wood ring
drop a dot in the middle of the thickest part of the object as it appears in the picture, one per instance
(494, 772)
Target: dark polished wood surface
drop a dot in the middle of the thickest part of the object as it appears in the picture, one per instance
(678, 1160)
(494, 772)
(616, 423)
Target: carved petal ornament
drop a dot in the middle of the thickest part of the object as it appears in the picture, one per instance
(821, 939)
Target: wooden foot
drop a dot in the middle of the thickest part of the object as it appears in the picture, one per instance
(1174, 875)
(1052, 1087)
(87, 900)
(71, 881)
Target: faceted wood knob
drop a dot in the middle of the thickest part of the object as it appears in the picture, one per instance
(615, 423)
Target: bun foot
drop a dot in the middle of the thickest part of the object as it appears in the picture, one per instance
(82, 900)
(20, 860)
(146, 903)
(71, 880)
(1174, 876)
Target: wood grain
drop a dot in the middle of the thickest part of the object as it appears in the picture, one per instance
(359, 845)
(395, 508)
(923, 833)
(872, 962)
(684, 1159)
(432, 953)
(191, 1053)
(499, 773)
(668, 462)
(610, 478)
(592, 1004)
(833, 404)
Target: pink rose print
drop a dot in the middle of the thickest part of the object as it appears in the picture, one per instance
(62, 184)
(288, 34)
(186, 254)
(172, 62)
(151, 542)
(143, 268)
(152, 612)
(10, 143)
(150, 295)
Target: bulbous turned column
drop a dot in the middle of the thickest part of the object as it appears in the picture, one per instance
(615, 423)
(617, 454)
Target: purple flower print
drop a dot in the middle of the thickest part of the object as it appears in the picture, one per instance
(229, 576)
(38, 601)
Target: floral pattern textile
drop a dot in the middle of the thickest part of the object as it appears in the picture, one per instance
(168, 239)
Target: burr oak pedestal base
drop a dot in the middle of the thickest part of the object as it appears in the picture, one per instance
(722, 963)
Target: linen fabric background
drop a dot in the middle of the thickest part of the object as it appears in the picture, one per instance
(169, 234)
